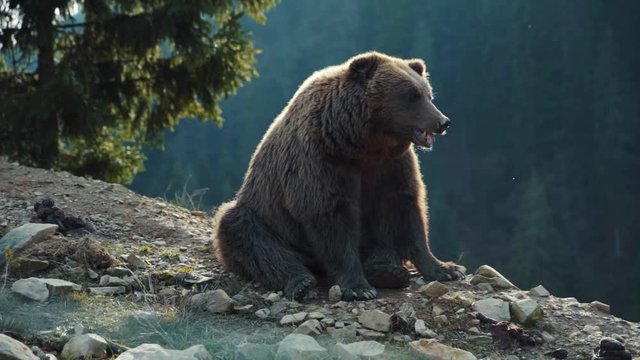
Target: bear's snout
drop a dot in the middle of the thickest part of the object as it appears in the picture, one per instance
(443, 125)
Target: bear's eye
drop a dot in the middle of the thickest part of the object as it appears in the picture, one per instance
(415, 95)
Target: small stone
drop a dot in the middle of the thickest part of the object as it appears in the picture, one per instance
(404, 319)
(262, 313)
(433, 350)
(487, 274)
(608, 343)
(31, 288)
(485, 287)
(216, 301)
(316, 315)
(547, 337)
(327, 322)
(298, 346)
(360, 350)
(434, 289)
(441, 320)
(600, 306)
(293, 318)
(559, 353)
(27, 266)
(250, 351)
(493, 308)
(85, 346)
(310, 327)
(243, 309)
(119, 271)
(402, 338)
(539, 291)
(526, 311)
(375, 320)
(591, 329)
(273, 297)
(107, 290)
(345, 334)
(421, 329)
(335, 293)
(370, 334)
(168, 292)
(92, 274)
(474, 330)
(12, 349)
(437, 310)
(136, 262)
(157, 352)
(24, 235)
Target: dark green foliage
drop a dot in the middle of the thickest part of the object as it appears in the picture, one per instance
(539, 173)
(83, 85)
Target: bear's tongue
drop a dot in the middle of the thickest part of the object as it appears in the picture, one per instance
(429, 138)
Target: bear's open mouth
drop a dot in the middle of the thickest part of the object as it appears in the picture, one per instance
(423, 138)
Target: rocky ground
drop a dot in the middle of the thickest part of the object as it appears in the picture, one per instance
(94, 269)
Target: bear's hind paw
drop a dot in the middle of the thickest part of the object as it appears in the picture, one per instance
(298, 288)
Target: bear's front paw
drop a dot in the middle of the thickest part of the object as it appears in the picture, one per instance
(298, 288)
(358, 292)
(447, 271)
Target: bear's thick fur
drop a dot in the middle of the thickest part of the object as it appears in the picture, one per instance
(334, 188)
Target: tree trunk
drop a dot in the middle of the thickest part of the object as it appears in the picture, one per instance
(47, 129)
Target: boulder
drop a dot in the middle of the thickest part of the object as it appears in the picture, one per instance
(24, 235)
(157, 352)
(11, 349)
(299, 347)
(85, 346)
(493, 308)
(433, 350)
(375, 320)
(434, 289)
(360, 350)
(31, 288)
(526, 311)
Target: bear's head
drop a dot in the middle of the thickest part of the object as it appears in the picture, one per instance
(399, 98)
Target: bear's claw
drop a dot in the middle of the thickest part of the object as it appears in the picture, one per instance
(358, 293)
(446, 272)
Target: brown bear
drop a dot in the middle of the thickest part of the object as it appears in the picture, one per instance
(334, 188)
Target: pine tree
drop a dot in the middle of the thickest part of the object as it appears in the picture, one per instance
(84, 84)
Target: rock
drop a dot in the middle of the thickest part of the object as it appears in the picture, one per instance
(107, 290)
(136, 262)
(441, 320)
(316, 315)
(27, 266)
(493, 308)
(216, 301)
(278, 308)
(328, 322)
(526, 311)
(24, 235)
(92, 274)
(85, 346)
(299, 347)
(360, 350)
(58, 286)
(600, 306)
(244, 309)
(434, 289)
(335, 293)
(11, 349)
(548, 338)
(487, 274)
(370, 334)
(375, 320)
(31, 288)
(558, 353)
(433, 350)
(421, 329)
(293, 318)
(437, 310)
(474, 330)
(157, 352)
(485, 287)
(273, 297)
(310, 327)
(404, 319)
(250, 351)
(119, 271)
(345, 334)
(539, 291)
(262, 313)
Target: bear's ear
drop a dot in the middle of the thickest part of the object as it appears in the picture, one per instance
(363, 66)
(417, 65)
